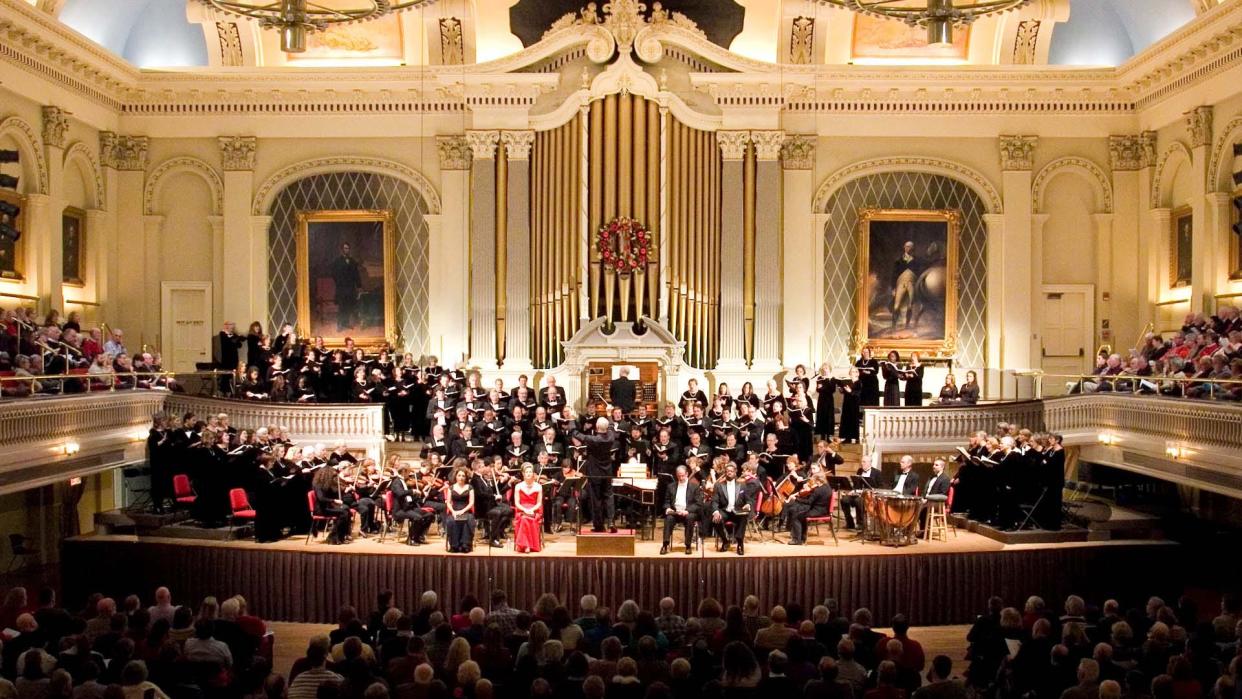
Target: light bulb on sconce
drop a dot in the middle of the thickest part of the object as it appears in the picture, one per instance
(71, 448)
(1177, 452)
(1108, 439)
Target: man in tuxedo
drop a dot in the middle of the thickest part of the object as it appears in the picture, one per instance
(731, 505)
(621, 391)
(813, 504)
(491, 498)
(228, 342)
(907, 480)
(938, 484)
(598, 470)
(852, 505)
(682, 498)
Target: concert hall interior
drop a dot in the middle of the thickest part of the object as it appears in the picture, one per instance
(625, 349)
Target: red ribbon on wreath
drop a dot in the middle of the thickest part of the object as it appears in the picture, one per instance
(624, 245)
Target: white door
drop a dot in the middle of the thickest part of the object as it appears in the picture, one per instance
(1068, 323)
(186, 324)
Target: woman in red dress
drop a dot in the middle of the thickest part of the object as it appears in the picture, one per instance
(528, 512)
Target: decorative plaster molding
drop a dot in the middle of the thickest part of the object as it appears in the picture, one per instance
(1220, 167)
(237, 152)
(1147, 140)
(452, 47)
(84, 157)
(157, 177)
(1025, 42)
(1199, 126)
(936, 166)
(798, 151)
(29, 145)
(1017, 152)
(518, 144)
(732, 144)
(1093, 173)
(802, 40)
(55, 126)
(483, 144)
(266, 193)
(454, 151)
(228, 35)
(767, 144)
(1176, 148)
(128, 153)
(1125, 152)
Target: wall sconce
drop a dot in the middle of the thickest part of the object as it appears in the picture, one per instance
(1176, 452)
(1108, 439)
(72, 448)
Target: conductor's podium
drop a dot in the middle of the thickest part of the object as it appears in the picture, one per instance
(603, 544)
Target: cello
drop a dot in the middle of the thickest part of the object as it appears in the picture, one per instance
(773, 506)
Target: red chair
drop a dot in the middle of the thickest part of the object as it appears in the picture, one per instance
(240, 504)
(183, 493)
(386, 506)
(316, 518)
(829, 519)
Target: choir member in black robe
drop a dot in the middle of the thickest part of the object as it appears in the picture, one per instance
(914, 381)
(892, 380)
(1052, 477)
(825, 387)
(869, 376)
(851, 406)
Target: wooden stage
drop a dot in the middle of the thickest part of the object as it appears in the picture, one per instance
(932, 582)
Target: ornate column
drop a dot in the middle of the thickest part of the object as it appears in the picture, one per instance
(483, 247)
(1125, 156)
(735, 326)
(104, 253)
(799, 249)
(1219, 219)
(49, 253)
(240, 288)
(517, 288)
(152, 225)
(449, 254)
(1203, 267)
(1148, 288)
(1017, 155)
(125, 162)
(1038, 221)
(994, 318)
(1104, 259)
(767, 259)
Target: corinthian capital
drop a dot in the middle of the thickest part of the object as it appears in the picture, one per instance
(1199, 125)
(767, 144)
(733, 144)
(1018, 152)
(237, 152)
(798, 151)
(483, 143)
(454, 152)
(518, 144)
(55, 126)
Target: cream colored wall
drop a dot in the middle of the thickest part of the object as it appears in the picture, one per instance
(1069, 238)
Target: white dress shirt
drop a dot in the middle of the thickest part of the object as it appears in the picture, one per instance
(679, 501)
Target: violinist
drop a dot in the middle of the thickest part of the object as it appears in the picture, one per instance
(491, 487)
(358, 491)
(828, 455)
(329, 502)
(407, 505)
(431, 489)
(682, 500)
(811, 500)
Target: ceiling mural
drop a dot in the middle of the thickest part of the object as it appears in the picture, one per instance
(721, 20)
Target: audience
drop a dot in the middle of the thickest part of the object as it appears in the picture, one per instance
(1086, 652)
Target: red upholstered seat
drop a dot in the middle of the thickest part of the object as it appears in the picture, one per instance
(182, 492)
(240, 504)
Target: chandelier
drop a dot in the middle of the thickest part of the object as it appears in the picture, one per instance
(294, 19)
(937, 16)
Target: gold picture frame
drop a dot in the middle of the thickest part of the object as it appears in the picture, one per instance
(882, 236)
(73, 246)
(320, 239)
(1181, 244)
(13, 253)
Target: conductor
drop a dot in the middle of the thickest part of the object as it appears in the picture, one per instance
(621, 391)
(599, 471)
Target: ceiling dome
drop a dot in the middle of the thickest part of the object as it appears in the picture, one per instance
(1109, 32)
(147, 33)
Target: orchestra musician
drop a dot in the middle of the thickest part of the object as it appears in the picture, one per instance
(599, 473)
(528, 512)
(329, 502)
(565, 498)
(811, 500)
(852, 504)
(682, 498)
(459, 515)
(407, 503)
(907, 480)
(730, 505)
(827, 456)
(491, 486)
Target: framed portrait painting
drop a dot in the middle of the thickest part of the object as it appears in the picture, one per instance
(907, 297)
(346, 276)
(73, 242)
(1181, 244)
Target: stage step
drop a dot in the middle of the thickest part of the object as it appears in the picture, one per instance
(592, 544)
(176, 525)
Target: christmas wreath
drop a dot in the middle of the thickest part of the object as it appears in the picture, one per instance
(624, 245)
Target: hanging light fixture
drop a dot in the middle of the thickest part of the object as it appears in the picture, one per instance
(294, 19)
(938, 17)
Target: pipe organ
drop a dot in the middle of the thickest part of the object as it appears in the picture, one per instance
(555, 240)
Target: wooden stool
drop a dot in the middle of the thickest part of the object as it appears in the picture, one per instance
(937, 522)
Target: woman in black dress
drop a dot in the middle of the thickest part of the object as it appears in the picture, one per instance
(459, 515)
(868, 378)
(914, 381)
(328, 502)
(892, 380)
(748, 396)
(799, 379)
(851, 406)
(968, 394)
(825, 387)
(948, 392)
(801, 422)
